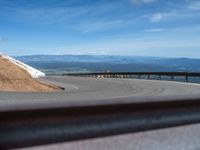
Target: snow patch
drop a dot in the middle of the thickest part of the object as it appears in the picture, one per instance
(32, 71)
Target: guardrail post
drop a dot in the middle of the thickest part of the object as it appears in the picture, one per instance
(159, 77)
(186, 78)
(172, 78)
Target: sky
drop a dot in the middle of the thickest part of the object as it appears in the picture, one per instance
(163, 28)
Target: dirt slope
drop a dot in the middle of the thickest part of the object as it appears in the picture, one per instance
(14, 78)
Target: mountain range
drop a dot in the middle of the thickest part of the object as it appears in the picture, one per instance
(98, 63)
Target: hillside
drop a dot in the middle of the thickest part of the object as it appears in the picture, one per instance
(15, 78)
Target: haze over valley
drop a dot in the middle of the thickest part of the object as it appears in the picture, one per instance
(58, 64)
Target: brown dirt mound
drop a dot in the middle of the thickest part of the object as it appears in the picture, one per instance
(14, 78)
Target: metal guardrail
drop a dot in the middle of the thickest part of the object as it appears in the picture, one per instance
(27, 128)
(139, 74)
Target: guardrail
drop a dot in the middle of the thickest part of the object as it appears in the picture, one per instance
(138, 74)
(25, 128)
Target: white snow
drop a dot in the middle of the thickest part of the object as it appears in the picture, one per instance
(32, 71)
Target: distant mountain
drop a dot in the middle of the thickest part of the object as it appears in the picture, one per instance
(83, 58)
(98, 63)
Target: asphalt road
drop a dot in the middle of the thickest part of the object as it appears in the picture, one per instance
(92, 91)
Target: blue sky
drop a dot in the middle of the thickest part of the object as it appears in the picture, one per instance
(166, 28)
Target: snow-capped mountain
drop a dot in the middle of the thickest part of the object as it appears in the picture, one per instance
(32, 71)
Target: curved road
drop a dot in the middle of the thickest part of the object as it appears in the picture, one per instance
(95, 91)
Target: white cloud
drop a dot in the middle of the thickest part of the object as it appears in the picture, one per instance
(101, 25)
(154, 30)
(142, 1)
(194, 5)
(156, 17)
(2, 39)
(84, 18)
(148, 1)
(189, 9)
(192, 10)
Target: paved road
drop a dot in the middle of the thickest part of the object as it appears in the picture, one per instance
(93, 91)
